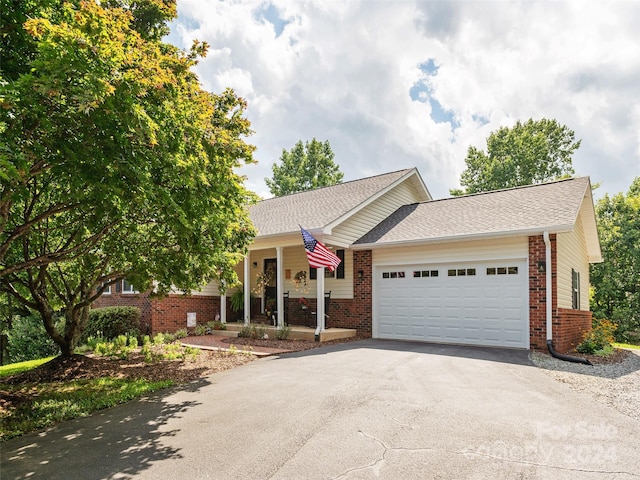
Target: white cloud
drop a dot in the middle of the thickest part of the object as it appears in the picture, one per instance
(343, 71)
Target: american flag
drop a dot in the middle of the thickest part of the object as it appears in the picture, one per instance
(317, 253)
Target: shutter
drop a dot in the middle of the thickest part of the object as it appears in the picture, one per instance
(313, 273)
(340, 269)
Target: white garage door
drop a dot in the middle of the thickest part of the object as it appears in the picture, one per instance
(473, 303)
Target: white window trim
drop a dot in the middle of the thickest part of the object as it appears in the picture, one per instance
(128, 292)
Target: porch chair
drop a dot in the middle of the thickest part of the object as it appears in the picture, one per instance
(327, 302)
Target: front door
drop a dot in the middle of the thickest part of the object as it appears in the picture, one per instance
(271, 288)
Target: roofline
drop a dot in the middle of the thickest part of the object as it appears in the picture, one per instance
(475, 236)
(327, 229)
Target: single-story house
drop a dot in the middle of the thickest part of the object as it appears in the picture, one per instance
(504, 268)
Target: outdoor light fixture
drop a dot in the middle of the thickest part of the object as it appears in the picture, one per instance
(255, 264)
(360, 274)
(542, 266)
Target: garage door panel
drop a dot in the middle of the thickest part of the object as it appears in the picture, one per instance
(473, 308)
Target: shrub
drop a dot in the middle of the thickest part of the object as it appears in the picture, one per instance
(283, 333)
(182, 333)
(200, 329)
(252, 331)
(599, 338)
(110, 322)
(28, 340)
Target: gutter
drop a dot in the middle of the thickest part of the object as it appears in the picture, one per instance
(548, 296)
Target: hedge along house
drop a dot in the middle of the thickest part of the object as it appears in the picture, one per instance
(473, 270)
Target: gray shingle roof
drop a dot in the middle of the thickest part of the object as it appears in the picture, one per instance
(317, 208)
(531, 208)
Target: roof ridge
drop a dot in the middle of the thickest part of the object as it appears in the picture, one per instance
(519, 187)
(337, 184)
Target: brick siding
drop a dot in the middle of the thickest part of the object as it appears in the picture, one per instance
(568, 325)
(140, 300)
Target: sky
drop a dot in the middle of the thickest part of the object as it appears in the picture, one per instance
(401, 84)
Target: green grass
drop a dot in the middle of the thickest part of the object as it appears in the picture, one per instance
(51, 403)
(626, 345)
(15, 368)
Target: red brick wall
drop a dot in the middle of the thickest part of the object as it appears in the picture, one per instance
(169, 314)
(140, 300)
(537, 294)
(361, 314)
(568, 325)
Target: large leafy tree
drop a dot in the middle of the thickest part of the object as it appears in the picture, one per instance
(532, 152)
(305, 167)
(616, 281)
(114, 163)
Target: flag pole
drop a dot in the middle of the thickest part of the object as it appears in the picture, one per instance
(319, 303)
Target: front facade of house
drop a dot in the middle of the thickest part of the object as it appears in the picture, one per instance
(467, 270)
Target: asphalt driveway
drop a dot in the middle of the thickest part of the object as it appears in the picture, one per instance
(368, 409)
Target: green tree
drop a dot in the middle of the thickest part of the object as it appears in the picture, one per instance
(536, 151)
(114, 163)
(616, 281)
(305, 167)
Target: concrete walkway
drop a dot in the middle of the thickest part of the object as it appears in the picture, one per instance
(360, 410)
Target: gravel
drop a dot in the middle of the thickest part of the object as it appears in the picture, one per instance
(614, 384)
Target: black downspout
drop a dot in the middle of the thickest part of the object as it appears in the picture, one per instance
(566, 358)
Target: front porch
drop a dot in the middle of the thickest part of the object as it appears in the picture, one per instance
(296, 332)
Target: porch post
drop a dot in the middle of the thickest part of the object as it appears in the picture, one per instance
(223, 307)
(279, 287)
(320, 302)
(247, 289)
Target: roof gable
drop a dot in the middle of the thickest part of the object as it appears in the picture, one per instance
(323, 207)
(551, 206)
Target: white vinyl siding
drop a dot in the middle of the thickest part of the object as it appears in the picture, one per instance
(494, 249)
(572, 255)
(363, 221)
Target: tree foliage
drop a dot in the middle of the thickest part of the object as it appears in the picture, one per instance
(616, 281)
(536, 151)
(305, 167)
(114, 162)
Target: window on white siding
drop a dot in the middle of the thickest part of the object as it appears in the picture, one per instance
(575, 289)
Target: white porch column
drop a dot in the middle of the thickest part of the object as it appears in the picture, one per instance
(279, 287)
(247, 289)
(223, 307)
(320, 302)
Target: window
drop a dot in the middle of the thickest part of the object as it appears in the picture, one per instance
(392, 274)
(128, 288)
(337, 273)
(425, 273)
(502, 271)
(107, 291)
(461, 272)
(575, 289)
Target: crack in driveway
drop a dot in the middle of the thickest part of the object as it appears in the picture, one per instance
(377, 464)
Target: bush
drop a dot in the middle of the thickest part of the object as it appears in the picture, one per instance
(253, 332)
(109, 322)
(599, 338)
(28, 340)
(283, 333)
